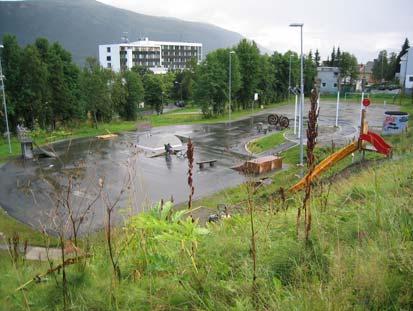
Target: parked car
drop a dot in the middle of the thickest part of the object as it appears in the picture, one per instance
(180, 103)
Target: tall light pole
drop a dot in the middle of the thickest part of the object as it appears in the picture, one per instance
(301, 95)
(229, 84)
(4, 102)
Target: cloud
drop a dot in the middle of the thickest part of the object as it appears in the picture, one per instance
(360, 27)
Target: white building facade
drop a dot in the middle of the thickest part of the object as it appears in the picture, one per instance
(158, 56)
(406, 71)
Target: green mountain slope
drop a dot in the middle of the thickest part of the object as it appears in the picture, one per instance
(80, 25)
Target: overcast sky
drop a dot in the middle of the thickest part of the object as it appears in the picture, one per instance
(362, 27)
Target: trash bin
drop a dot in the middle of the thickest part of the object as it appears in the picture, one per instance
(395, 122)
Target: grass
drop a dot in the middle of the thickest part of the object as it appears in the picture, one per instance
(9, 226)
(266, 143)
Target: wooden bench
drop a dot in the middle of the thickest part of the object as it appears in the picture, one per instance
(202, 163)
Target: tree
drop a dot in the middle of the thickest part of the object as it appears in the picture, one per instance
(33, 92)
(405, 47)
(154, 91)
(248, 55)
(95, 92)
(317, 58)
(10, 58)
(211, 87)
(349, 69)
(338, 58)
(380, 66)
(333, 57)
(59, 107)
(134, 95)
(310, 73)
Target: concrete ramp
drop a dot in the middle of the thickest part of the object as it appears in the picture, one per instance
(157, 142)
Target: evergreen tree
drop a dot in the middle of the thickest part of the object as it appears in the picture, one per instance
(135, 94)
(333, 57)
(10, 58)
(248, 55)
(405, 47)
(154, 91)
(317, 58)
(34, 91)
(338, 58)
(95, 91)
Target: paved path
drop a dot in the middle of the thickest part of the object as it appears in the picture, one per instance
(37, 253)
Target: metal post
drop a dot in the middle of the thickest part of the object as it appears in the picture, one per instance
(361, 107)
(229, 85)
(301, 97)
(295, 114)
(337, 107)
(289, 80)
(302, 101)
(5, 105)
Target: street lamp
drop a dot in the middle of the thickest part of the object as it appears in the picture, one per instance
(301, 95)
(229, 85)
(4, 102)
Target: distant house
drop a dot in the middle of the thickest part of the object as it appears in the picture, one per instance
(366, 72)
(406, 71)
(327, 79)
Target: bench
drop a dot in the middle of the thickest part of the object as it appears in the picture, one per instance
(202, 163)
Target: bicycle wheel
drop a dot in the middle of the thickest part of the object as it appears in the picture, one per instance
(273, 119)
(284, 122)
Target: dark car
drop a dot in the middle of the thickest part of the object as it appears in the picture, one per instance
(180, 103)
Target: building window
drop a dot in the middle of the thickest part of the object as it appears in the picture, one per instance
(108, 49)
(323, 84)
(411, 79)
(335, 84)
(108, 58)
(109, 65)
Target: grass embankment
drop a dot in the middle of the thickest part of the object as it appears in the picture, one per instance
(265, 143)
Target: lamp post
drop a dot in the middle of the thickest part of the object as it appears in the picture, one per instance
(4, 102)
(229, 85)
(301, 95)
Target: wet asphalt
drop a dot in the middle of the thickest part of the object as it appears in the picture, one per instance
(39, 192)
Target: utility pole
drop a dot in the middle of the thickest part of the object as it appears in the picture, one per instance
(4, 104)
(301, 95)
(229, 85)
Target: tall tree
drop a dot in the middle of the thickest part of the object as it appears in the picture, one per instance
(10, 58)
(317, 58)
(248, 55)
(94, 84)
(380, 66)
(34, 92)
(135, 94)
(338, 58)
(154, 91)
(405, 47)
(333, 57)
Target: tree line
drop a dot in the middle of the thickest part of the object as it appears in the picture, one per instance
(45, 88)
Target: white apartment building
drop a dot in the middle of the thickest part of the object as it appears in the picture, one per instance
(158, 56)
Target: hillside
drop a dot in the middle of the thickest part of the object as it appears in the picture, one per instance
(80, 25)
